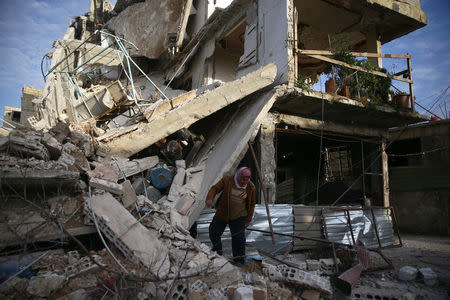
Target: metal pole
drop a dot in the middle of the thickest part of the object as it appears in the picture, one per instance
(375, 226)
(350, 226)
(396, 225)
(411, 89)
(125, 52)
(363, 171)
(266, 202)
(95, 55)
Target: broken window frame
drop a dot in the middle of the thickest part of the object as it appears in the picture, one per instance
(339, 172)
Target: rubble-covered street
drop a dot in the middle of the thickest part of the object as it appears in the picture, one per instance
(105, 173)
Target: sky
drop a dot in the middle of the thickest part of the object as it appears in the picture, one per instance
(29, 27)
(430, 57)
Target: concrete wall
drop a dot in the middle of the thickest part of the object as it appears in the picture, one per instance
(272, 38)
(8, 116)
(266, 41)
(267, 157)
(28, 94)
(420, 190)
(423, 212)
(225, 64)
(202, 65)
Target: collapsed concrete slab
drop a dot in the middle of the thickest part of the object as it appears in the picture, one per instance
(131, 140)
(102, 101)
(130, 236)
(110, 57)
(159, 19)
(223, 155)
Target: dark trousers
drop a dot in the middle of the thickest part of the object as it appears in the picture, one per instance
(237, 228)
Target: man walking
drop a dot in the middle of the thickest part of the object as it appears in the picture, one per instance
(234, 207)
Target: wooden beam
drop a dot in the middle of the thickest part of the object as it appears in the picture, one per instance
(359, 54)
(411, 88)
(401, 73)
(337, 62)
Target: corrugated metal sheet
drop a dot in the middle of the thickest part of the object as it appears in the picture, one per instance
(337, 228)
(282, 221)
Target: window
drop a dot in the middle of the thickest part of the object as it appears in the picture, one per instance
(338, 164)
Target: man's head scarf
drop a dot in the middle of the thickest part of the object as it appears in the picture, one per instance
(241, 172)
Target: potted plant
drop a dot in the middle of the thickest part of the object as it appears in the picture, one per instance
(344, 91)
(339, 45)
(402, 99)
(303, 82)
(356, 84)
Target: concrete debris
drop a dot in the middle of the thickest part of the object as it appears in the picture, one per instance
(312, 264)
(243, 293)
(80, 294)
(126, 168)
(26, 143)
(45, 285)
(106, 185)
(129, 196)
(284, 273)
(131, 237)
(328, 263)
(170, 18)
(143, 135)
(407, 273)
(311, 295)
(429, 277)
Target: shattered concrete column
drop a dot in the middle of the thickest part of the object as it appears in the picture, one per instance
(135, 241)
(29, 93)
(178, 181)
(291, 43)
(268, 159)
(373, 45)
(224, 155)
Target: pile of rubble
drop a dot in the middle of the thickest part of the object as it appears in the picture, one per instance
(128, 202)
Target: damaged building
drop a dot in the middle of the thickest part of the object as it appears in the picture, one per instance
(147, 104)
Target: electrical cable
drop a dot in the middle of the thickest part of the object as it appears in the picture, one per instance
(320, 152)
(420, 153)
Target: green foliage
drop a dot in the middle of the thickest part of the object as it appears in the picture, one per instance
(375, 88)
(302, 82)
(370, 86)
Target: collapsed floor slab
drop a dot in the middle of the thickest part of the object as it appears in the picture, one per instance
(221, 156)
(138, 137)
(131, 237)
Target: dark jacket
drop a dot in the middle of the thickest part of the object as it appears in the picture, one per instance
(223, 203)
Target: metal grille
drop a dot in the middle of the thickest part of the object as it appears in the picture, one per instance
(372, 226)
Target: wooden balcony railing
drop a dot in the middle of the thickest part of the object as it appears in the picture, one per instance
(407, 74)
